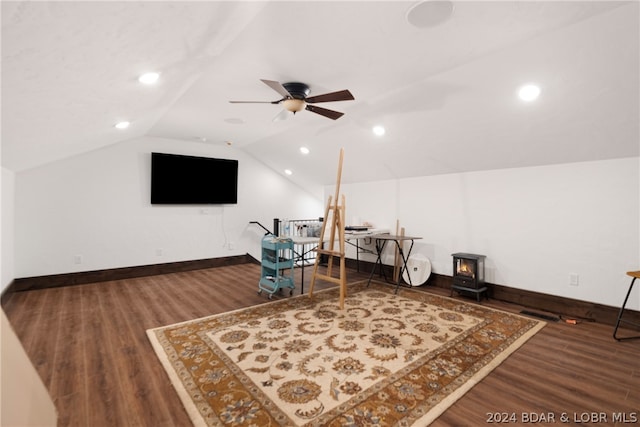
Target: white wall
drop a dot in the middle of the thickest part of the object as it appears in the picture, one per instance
(7, 204)
(536, 225)
(96, 207)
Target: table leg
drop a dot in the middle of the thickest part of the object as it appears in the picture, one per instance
(404, 266)
(302, 271)
(299, 257)
(379, 249)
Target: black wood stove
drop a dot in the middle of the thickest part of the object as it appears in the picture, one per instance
(468, 274)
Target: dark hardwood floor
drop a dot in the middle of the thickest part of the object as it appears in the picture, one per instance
(88, 344)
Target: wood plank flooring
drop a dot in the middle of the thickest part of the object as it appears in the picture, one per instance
(89, 346)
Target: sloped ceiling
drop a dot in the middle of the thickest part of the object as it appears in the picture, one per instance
(446, 93)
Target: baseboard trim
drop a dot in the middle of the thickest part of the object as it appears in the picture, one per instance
(84, 277)
(566, 308)
(560, 306)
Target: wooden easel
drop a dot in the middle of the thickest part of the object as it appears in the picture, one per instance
(336, 212)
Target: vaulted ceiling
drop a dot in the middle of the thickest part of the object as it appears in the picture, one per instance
(440, 76)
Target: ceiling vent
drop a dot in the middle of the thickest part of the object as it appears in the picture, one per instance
(429, 13)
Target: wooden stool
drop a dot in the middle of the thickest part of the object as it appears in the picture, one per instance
(635, 275)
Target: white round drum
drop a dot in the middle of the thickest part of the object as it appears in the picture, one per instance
(419, 268)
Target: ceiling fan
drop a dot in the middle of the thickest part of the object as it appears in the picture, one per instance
(294, 98)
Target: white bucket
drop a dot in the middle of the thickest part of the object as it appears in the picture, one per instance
(418, 268)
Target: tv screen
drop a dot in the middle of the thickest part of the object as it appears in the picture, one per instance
(182, 180)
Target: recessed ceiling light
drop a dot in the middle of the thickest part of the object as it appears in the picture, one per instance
(529, 92)
(122, 125)
(378, 130)
(304, 150)
(288, 171)
(149, 78)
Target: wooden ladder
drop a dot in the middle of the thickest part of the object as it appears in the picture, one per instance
(336, 212)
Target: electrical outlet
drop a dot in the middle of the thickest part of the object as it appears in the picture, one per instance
(231, 246)
(574, 279)
(77, 259)
(159, 252)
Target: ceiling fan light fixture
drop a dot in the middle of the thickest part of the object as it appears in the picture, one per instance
(294, 105)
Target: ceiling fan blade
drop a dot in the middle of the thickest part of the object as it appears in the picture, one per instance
(277, 87)
(254, 102)
(341, 95)
(333, 115)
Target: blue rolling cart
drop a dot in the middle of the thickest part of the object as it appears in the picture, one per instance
(277, 269)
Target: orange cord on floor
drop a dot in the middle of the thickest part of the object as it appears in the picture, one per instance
(574, 321)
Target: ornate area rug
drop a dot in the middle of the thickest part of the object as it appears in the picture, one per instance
(385, 359)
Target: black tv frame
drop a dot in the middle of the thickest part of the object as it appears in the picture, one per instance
(178, 179)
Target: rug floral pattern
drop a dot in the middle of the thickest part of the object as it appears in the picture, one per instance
(385, 359)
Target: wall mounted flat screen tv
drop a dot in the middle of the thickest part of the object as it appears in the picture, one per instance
(185, 180)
